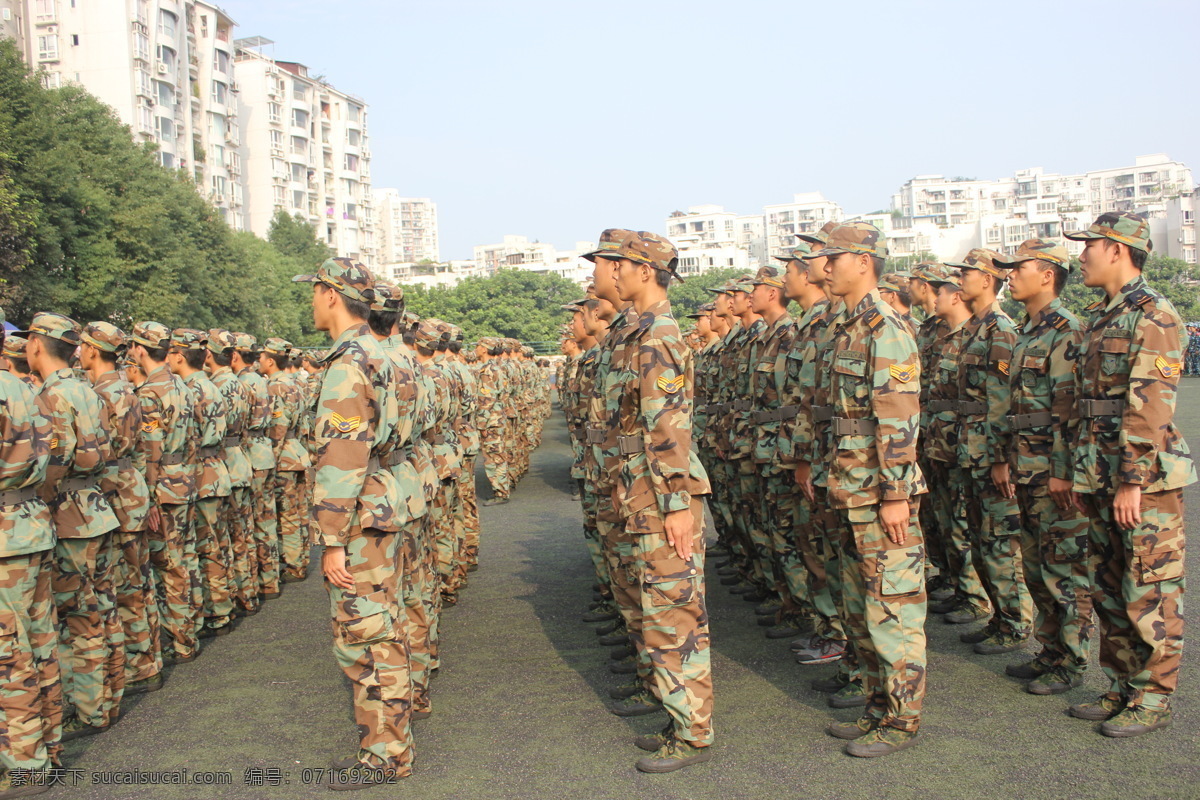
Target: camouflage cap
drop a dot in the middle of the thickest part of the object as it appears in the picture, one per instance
(104, 336)
(1124, 227)
(295, 352)
(1038, 250)
(527, 350)
(854, 237)
(820, 237)
(724, 288)
(797, 253)
(151, 334)
(895, 282)
(769, 275)
(647, 248)
(426, 333)
(55, 326)
(742, 284)
(220, 340)
(574, 305)
(487, 342)
(388, 297)
(245, 342)
(611, 240)
(984, 260)
(942, 274)
(129, 361)
(189, 338)
(14, 347)
(345, 276)
(277, 347)
(446, 330)
(923, 270)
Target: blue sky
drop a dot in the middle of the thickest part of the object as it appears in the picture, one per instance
(558, 119)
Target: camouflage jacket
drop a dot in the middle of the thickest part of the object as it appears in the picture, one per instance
(237, 411)
(212, 478)
(813, 432)
(444, 456)
(939, 408)
(25, 525)
(287, 406)
(602, 458)
(799, 373)
(1037, 438)
(492, 388)
(583, 380)
(404, 461)
(927, 337)
(740, 432)
(718, 389)
(874, 390)
(165, 451)
(766, 388)
(122, 483)
(702, 397)
(1131, 354)
(467, 423)
(424, 417)
(79, 455)
(255, 443)
(655, 458)
(984, 392)
(353, 429)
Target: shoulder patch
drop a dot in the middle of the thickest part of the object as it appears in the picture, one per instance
(276, 414)
(670, 385)
(150, 427)
(873, 318)
(904, 372)
(1096, 305)
(1168, 369)
(344, 424)
(1141, 297)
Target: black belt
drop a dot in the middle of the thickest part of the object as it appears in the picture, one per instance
(12, 497)
(971, 408)
(594, 436)
(941, 405)
(398, 456)
(1101, 408)
(775, 414)
(852, 427)
(717, 408)
(209, 452)
(628, 445)
(1023, 422)
(822, 413)
(125, 463)
(76, 485)
(232, 441)
(436, 439)
(171, 459)
(372, 464)
(741, 405)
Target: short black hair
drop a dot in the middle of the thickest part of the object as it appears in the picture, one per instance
(662, 278)
(382, 322)
(156, 354)
(19, 365)
(280, 360)
(57, 348)
(223, 358)
(357, 308)
(1060, 278)
(1138, 257)
(106, 356)
(193, 358)
(878, 263)
(455, 346)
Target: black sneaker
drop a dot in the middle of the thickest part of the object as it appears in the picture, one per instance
(1027, 670)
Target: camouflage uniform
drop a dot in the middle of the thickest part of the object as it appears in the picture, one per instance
(493, 388)
(874, 394)
(1053, 541)
(126, 491)
(466, 512)
(265, 556)
(164, 454)
(356, 504)
(91, 640)
(291, 461)
(31, 702)
(1127, 376)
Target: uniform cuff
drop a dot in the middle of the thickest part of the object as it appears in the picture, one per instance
(331, 541)
(675, 501)
(895, 490)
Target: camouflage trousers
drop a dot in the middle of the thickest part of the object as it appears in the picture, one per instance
(1139, 587)
(778, 498)
(718, 502)
(883, 591)
(243, 571)
(191, 558)
(495, 460)
(171, 577)
(935, 538)
(293, 542)
(591, 537)
(670, 627)
(831, 538)
(31, 696)
(993, 525)
(745, 553)
(809, 551)
(91, 640)
(749, 511)
(421, 603)
(266, 531)
(133, 587)
(433, 522)
(945, 491)
(466, 521)
(446, 537)
(1054, 547)
(370, 642)
(213, 552)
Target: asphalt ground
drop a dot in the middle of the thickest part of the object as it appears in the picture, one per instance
(519, 706)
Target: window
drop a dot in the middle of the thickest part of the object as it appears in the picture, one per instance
(166, 23)
(75, 40)
(351, 211)
(1046, 208)
(218, 126)
(353, 113)
(276, 139)
(43, 10)
(278, 195)
(299, 145)
(353, 137)
(299, 199)
(167, 56)
(167, 160)
(273, 112)
(52, 80)
(220, 93)
(278, 167)
(221, 62)
(299, 118)
(352, 163)
(1188, 217)
(47, 48)
(351, 187)
(204, 25)
(299, 173)
(166, 127)
(145, 120)
(218, 155)
(999, 204)
(165, 93)
(993, 235)
(299, 91)
(218, 186)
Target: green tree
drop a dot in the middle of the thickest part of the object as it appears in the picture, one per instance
(688, 296)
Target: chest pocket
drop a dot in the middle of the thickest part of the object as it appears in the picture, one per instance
(1033, 368)
(852, 379)
(1114, 354)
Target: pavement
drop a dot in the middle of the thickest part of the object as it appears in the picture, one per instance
(519, 705)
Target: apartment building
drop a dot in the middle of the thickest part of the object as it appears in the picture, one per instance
(407, 228)
(708, 237)
(306, 151)
(165, 67)
(806, 213)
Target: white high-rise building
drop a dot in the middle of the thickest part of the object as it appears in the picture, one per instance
(166, 67)
(707, 237)
(407, 228)
(306, 152)
(807, 213)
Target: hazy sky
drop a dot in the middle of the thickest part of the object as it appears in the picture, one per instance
(558, 118)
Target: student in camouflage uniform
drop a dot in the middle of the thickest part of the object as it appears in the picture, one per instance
(14, 355)
(1054, 533)
(354, 516)
(91, 640)
(257, 446)
(291, 458)
(1193, 349)
(873, 484)
(657, 497)
(31, 702)
(466, 425)
(493, 388)
(133, 582)
(988, 514)
(164, 454)
(894, 290)
(238, 512)
(1130, 467)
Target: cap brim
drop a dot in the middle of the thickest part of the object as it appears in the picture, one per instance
(1082, 236)
(825, 252)
(786, 258)
(805, 237)
(20, 334)
(306, 279)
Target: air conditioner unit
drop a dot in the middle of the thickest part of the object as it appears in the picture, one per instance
(162, 68)
(233, 87)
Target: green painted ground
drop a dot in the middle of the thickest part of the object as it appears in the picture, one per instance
(519, 705)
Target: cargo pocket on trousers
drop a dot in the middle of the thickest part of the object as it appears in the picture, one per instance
(364, 620)
(664, 591)
(8, 647)
(901, 572)
(1068, 541)
(1164, 565)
